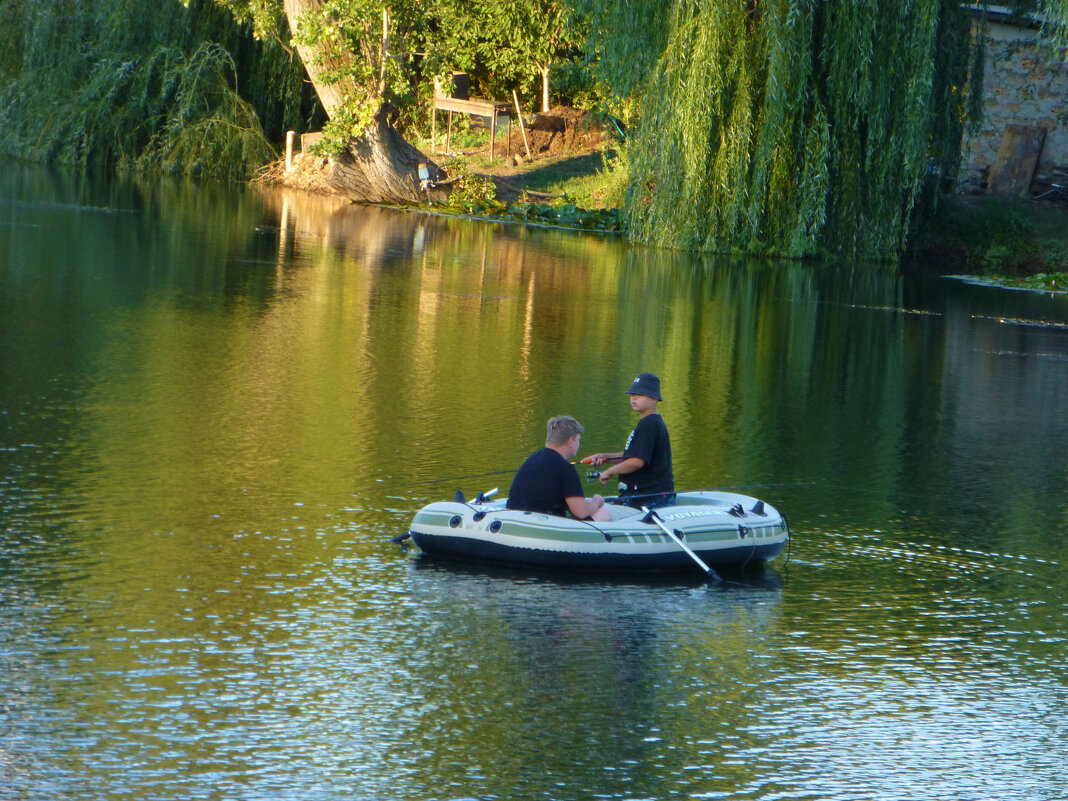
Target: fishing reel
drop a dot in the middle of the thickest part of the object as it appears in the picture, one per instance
(593, 475)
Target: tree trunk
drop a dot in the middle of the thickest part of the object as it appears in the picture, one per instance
(545, 88)
(379, 166)
(331, 95)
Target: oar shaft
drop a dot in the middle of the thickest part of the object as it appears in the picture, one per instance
(678, 541)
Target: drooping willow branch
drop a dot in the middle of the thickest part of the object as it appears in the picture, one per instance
(787, 127)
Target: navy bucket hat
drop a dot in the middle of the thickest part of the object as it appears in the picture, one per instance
(646, 384)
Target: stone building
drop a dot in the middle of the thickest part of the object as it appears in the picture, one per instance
(1021, 146)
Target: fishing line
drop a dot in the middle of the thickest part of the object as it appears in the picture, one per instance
(458, 478)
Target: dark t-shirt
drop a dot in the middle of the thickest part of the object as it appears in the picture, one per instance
(649, 441)
(543, 483)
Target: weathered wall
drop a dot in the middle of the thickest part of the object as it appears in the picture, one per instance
(1024, 85)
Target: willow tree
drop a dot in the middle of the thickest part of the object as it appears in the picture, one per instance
(143, 85)
(786, 127)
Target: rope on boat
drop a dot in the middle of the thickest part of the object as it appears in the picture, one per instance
(789, 541)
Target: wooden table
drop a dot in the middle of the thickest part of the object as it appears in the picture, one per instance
(475, 107)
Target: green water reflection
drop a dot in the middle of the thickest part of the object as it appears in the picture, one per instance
(218, 405)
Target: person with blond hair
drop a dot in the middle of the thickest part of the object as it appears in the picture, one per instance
(548, 482)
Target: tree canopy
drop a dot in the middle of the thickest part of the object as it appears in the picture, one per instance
(386, 51)
(787, 127)
(791, 127)
(143, 85)
(783, 127)
(515, 43)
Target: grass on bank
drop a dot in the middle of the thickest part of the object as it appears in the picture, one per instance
(581, 190)
(1010, 241)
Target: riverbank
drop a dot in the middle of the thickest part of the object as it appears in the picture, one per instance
(1011, 241)
(562, 168)
(1015, 241)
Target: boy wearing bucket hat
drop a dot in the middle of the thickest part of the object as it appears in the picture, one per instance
(645, 468)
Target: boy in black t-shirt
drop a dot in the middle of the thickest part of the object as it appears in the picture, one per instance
(645, 468)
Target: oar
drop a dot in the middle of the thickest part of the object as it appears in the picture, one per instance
(653, 517)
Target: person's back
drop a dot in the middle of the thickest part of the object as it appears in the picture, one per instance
(543, 482)
(547, 482)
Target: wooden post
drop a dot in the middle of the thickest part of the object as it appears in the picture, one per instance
(493, 130)
(1018, 155)
(290, 136)
(522, 127)
(434, 117)
(383, 53)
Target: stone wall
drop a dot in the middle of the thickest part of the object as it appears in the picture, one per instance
(1025, 86)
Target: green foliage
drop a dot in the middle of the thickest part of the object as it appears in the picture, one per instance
(565, 215)
(476, 194)
(139, 84)
(569, 215)
(785, 127)
(504, 46)
(469, 190)
(347, 122)
(992, 235)
(1054, 283)
(1052, 16)
(1045, 282)
(264, 17)
(208, 128)
(365, 51)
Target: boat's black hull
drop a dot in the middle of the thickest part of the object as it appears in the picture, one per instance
(739, 556)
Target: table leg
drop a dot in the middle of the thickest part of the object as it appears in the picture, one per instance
(493, 132)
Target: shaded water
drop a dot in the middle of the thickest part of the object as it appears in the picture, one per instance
(218, 406)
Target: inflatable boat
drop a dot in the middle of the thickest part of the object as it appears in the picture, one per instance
(704, 529)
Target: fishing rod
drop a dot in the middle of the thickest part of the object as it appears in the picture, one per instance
(484, 475)
(770, 484)
(593, 475)
(459, 478)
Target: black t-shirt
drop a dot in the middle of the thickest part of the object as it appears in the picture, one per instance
(649, 441)
(544, 483)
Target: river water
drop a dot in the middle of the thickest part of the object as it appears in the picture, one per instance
(218, 406)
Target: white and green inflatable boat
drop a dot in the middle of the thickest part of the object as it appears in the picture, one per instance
(708, 528)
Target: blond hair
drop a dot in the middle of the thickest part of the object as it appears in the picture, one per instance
(561, 429)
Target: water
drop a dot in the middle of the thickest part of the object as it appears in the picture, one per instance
(218, 406)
